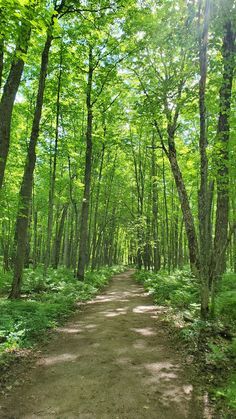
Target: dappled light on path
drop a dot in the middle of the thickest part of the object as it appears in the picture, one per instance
(52, 360)
(111, 360)
(145, 309)
(147, 331)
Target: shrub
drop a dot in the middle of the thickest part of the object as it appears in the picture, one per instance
(226, 304)
(50, 300)
(229, 392)
(179, 289)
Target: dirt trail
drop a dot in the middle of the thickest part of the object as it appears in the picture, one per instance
(112, 360)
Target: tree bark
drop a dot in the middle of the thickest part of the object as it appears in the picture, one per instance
(94, 240)
(1, 59)
(83, 245)
(180, 246)
(186, 210)
(166, 236)
(35, 248)
(59, 238)
(156, 248)
(203, 194)
(53, 174)
(27, 181)
(172, 119)
(139, 179)
(222, 145)
(9, 93)
(102, 229)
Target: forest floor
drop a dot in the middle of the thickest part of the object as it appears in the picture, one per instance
(113, 359)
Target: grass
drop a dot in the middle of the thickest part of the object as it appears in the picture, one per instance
(45, 303)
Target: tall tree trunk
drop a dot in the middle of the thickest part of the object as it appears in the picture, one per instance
(59, 238)
(1, 58)
(176, 237)
(71, 226)
(166, 236)
(221, 241)
(94, 241)
(102, 229)
(28, 241)
(5, 243)
(180, 246)
(222, 145)
(139, 179)
(185, 206)
(74, 234)
(203, 195)
(35, 248)
(9, 93)
(83, 245)
(156, 249)
(234, 232)
(27, 181)
(172, 120)
(53, 175)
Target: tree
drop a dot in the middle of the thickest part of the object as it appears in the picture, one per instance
(221, 240)
(12, 84)
(133, 133)
(27, 181)
(204, 196)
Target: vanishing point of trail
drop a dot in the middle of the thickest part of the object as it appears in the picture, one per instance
(112, 360)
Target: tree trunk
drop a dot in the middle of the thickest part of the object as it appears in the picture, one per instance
(27, 181)
(102, 228)
(233, 200)
(35, 249)
(180, 246)
(53, 175)
(166, 238)
(222, 145)
(203, 195)
(59, 238)
(94, 240)
(139, 179)
(66, 247)
(83, 245)
(9, 93)
(1, 58)
(28, 242)
(156, 250)
(5, 244)
(186, 210)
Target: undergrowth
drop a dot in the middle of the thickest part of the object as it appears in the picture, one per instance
(45, 303)
(180, 291)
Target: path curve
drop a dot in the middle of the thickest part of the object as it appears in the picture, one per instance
(112, 360)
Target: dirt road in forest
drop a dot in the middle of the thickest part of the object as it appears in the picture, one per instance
(112, 360)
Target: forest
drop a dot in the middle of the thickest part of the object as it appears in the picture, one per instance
(118, 153)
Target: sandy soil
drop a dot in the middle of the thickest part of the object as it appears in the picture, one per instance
(112, 360)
